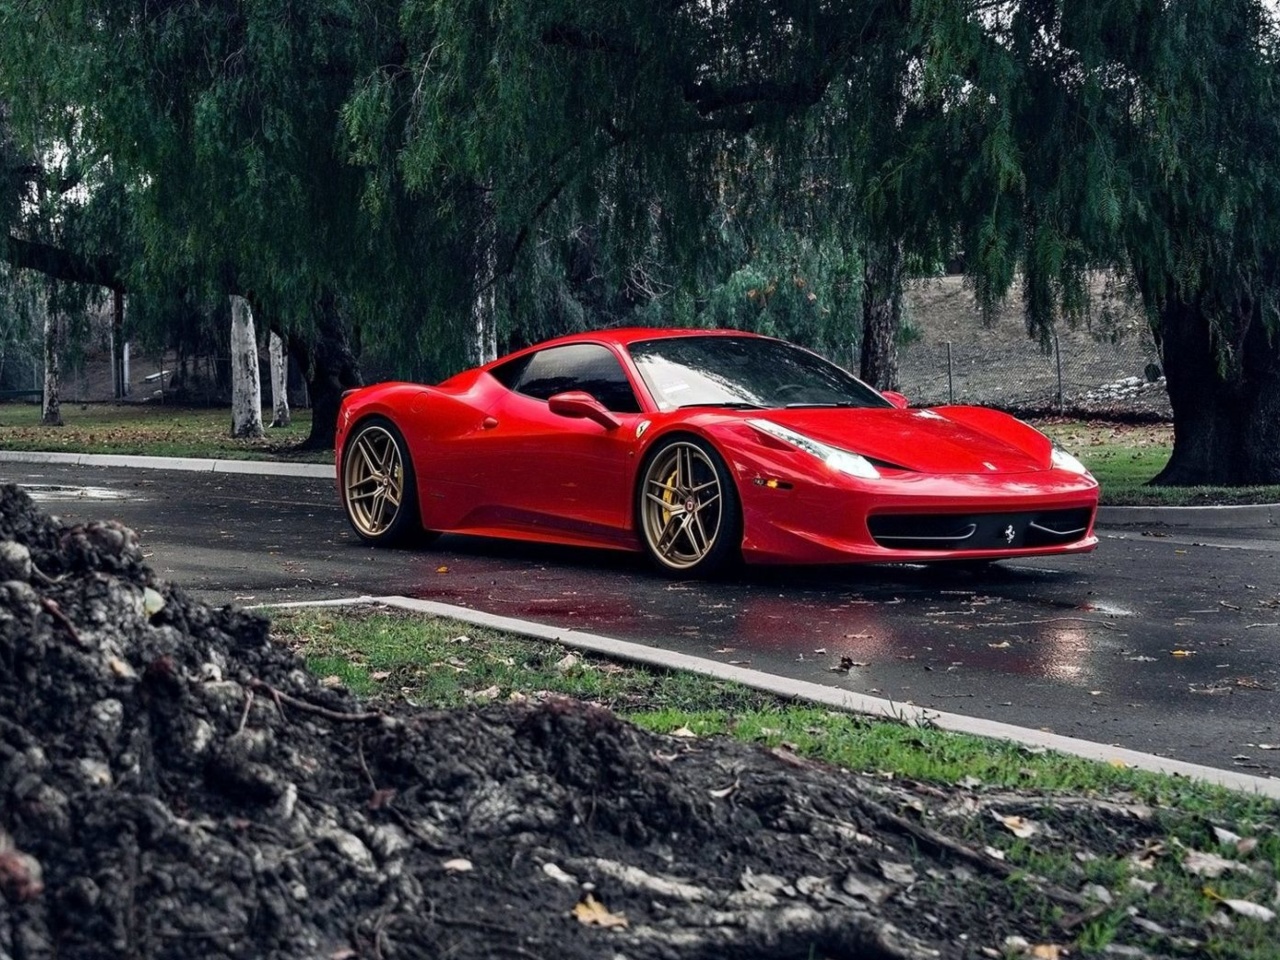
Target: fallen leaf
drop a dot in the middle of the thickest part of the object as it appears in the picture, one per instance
(1019, 826)
(724, 791)
(592, 913)
(897, 872)
(558, 875)
(458, 865)
(1003, 645)
(566, 663)
(1047, 951)
(684, 732)
(379, 674)
(442, 569)
(1226, 836)
(1245, 908)
(152, 601)
(1182, 653)
(333, 680)
(1209, 864)
(488, 693)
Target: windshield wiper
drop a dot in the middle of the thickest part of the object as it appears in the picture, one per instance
(728, 404)
(843, 403)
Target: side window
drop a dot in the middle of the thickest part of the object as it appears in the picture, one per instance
(579, 366)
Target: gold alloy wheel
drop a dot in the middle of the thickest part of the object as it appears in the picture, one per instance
(373, 481)
(682, 505)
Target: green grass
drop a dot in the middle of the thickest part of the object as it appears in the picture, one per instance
(1125, 457)
(388, 654)
(150, 429)
(385, 653)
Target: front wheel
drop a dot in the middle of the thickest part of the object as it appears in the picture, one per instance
(687, 508)
(378, 486)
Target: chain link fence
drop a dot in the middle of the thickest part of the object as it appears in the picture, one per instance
(1104, 365)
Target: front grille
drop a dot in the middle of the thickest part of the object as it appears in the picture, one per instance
(980, 531)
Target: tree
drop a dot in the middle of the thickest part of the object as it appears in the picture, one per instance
(1032, 137)
(246, 386)
(279, 381)
(1140, 136)
(221, 121)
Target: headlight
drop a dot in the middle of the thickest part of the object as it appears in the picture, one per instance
(833, 457)
(1065, 461)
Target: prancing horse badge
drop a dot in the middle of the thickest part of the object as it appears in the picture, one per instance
(1010, 534)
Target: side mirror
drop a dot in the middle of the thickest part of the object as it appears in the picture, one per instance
(897, 399)
(581, 405)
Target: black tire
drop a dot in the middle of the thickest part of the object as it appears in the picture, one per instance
(688, 513)
(379, 487)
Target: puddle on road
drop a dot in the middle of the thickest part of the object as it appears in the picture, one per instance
(63, 493)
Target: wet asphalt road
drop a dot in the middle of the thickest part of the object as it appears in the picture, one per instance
(1164, 641)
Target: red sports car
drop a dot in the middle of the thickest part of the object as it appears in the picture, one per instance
(698, 447)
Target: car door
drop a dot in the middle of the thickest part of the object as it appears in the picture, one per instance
(544, 474)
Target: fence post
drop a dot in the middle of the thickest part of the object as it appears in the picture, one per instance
(1057, 356)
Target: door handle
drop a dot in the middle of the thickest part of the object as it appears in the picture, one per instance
(488, 423)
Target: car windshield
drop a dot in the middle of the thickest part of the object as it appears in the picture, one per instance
(744, 372)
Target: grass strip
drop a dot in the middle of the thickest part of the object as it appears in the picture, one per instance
(1124, 836)
(151, 429)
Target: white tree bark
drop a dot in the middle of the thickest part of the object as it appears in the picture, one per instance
(279, 382)
(485, 346)
(484, 305)
(51, 410)
(246, 386)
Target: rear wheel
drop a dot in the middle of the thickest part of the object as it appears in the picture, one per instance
(379, 490)
(687, 508)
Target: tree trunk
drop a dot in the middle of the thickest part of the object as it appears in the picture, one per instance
(119, 349)
(484, 304)
(51, 410)
(331, 367)
(1226, 415)
(246, 386)
(881, 315)
(279, 382)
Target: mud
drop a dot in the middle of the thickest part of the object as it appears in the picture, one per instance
(173, 785)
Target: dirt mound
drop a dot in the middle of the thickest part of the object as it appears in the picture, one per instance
(173, 785)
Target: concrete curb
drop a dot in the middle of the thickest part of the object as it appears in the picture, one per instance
(1236, 516)
(1252, 515)
(266, 468)
(818, 693)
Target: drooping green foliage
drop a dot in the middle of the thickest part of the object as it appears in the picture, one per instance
(378, 166)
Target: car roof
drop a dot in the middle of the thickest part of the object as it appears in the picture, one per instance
(624, 336)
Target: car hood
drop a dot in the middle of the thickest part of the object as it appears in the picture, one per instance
(949, 440)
